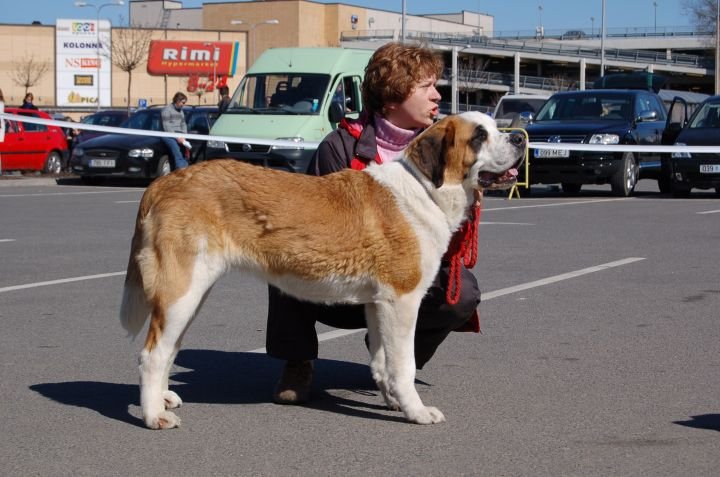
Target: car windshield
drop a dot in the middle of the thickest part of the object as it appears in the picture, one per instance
(294, 93)
(707, 116)
(510, 107)
(601, 106)
(148, 120)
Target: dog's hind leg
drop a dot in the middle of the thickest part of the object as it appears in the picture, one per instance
(397, 333)
(167, 328)
(377, 357)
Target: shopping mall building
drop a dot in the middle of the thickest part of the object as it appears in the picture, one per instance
(183, 49)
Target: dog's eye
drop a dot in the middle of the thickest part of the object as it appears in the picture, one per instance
(479, 136)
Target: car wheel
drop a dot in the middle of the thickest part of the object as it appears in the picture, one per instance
(53, 163)
(623, 181)
(164, 168)
(571, 189)
(92, 180)
(717, 191)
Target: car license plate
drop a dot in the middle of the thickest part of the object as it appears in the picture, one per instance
(709, 168)
(552, 153)
(102, 162)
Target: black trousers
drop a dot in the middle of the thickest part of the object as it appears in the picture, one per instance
(291, 322)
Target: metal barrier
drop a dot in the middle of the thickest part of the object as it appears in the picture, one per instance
(526, 183)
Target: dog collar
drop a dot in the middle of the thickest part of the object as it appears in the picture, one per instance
(417, 177)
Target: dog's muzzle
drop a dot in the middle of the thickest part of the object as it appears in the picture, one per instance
(505, 180)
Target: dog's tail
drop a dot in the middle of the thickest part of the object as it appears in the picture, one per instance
(141, 271)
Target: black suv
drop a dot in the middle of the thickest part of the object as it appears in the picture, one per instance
(123, 155)
(598, 116)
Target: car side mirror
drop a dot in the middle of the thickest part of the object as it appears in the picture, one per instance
(336, 112)
(647, 116)
(526, 117)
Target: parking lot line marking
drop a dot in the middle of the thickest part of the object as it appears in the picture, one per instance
(7, 240)
(507, 223)
(59, 282)
(49, 194)
(498, 293)
(559, 204)
(709, 212)
(127, 201)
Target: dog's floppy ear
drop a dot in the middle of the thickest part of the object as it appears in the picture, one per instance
(428, 151)
(478, 138)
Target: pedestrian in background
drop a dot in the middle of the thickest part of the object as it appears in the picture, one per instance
(28, 102)
(224, 98)
(173, 120)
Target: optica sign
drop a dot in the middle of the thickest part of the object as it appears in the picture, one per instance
(183, 58)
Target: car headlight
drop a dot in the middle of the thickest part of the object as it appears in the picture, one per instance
(217, 145)
(681, 155)
(145, 152)
(78, 151)
(604, 139)
(296, 140)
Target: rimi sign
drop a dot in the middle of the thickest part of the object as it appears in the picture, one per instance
(185, 58)
(78, 44)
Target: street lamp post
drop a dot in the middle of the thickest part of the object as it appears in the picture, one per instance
(251, 31)
(115, 3)
(592, 27)
(655, 5)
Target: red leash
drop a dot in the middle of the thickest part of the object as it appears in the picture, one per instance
(463, 250)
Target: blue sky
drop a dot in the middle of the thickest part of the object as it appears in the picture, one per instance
(510, 15)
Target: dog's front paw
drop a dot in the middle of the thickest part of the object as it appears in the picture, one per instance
(391, 402)
(172, 400)
(164, 420)
(426, 415)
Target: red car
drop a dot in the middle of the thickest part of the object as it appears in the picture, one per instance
(32, 147)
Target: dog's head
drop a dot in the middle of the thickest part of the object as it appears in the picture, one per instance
(468, 149)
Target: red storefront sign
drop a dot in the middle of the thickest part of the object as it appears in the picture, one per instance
(183, 58)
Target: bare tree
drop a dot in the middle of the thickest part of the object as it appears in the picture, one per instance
(28, 72)
(702, 13)
(128, 50)
(471, 75)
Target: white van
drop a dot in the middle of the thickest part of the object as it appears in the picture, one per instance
(511, 105)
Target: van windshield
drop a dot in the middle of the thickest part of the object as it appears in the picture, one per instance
(600, 106)
(279, 93)
(509, 107)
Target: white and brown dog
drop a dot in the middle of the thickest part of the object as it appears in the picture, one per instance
(374, 237)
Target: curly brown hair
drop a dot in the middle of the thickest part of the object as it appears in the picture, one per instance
(394, 71)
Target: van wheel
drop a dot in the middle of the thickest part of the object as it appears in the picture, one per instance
(571, 189)
(53, 163)
(624, 180)
(164, 168)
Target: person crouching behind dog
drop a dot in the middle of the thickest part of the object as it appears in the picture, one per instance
(401, 100)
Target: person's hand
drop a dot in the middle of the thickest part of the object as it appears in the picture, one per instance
(478, 197)
(180, 140)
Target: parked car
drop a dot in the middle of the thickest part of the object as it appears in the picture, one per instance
(122, 155)
(32, 147)
(510, 106)
(108, 117)
(692, 170)
(598, 116)
(573, 35)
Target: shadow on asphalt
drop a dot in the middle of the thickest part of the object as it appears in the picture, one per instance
(220, 377)
(703, 421)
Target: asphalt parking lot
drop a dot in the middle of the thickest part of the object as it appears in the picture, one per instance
(599, 353)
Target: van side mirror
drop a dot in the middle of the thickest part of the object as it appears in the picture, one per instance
(336, 112)
(647, 116)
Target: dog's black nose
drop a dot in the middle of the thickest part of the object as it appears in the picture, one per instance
(517, 139)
